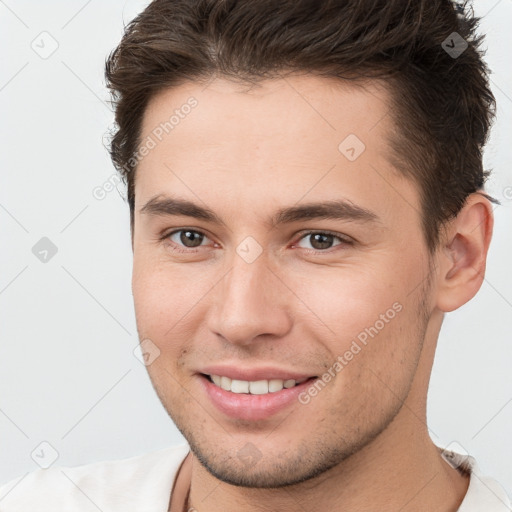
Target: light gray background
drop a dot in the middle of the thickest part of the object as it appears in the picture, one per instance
(68, 373)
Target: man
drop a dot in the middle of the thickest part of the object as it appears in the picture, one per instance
(307, 202)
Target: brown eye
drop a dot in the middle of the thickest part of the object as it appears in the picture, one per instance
(186, 238)
(321, 241)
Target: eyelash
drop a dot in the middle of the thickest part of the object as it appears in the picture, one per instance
(343, 239)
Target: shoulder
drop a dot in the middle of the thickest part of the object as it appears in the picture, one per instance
(484, 492)
(142, 482)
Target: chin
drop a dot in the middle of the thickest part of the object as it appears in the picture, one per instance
(264, 474)
(269, 468)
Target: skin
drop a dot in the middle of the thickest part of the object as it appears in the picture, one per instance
(362, 442)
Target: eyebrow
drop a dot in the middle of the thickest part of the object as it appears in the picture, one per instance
(340, 209)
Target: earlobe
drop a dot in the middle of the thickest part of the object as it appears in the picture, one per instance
(463, 253)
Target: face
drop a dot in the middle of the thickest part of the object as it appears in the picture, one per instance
(279, 273)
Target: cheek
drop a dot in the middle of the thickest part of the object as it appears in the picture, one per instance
(387, 351)
(367, 321)
(169, 302)
(163, 302)
(376, 370)
(348, 300)
(154, 300)
(160, 292)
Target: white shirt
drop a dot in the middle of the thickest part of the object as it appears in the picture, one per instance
(143, 484)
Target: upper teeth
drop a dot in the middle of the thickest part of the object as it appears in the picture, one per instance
(255, 387)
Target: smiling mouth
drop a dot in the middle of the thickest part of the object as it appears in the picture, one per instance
(257, 387)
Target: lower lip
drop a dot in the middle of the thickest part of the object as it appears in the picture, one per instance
(244, 406)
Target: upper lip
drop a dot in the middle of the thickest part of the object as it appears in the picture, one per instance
(254, 373)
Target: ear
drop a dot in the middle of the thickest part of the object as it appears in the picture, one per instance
(463, 253)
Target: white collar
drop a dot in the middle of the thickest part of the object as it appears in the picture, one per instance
(484, 494)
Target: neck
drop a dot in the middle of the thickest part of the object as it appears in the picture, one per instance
(400, 470)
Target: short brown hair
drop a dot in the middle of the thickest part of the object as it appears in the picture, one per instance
(426, 50)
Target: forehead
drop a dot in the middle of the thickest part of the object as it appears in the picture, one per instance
(272, 111)
(283, 138)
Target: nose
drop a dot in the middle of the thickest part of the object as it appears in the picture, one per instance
(250, 303)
